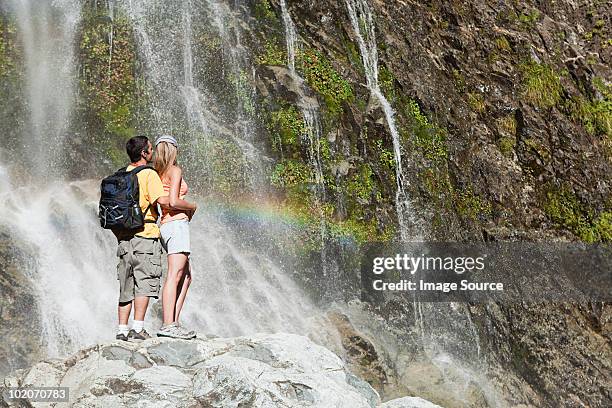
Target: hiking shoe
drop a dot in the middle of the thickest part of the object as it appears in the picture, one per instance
(142, 335)
(121, 336)
(173, 331)
(190, 333)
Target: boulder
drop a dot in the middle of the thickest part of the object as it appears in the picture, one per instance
(259, 371)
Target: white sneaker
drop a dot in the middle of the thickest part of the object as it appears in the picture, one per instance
(175, 332)
(191, 333)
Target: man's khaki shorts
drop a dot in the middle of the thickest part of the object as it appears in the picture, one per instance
(140, 268)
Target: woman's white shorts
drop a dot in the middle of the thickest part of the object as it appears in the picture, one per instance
(175, 237)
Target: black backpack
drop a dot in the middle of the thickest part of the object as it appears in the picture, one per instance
(119, 201)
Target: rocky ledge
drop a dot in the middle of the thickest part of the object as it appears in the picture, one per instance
(272, 370)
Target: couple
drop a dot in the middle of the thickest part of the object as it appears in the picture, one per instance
(140, 268)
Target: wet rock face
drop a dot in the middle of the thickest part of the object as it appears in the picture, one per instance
(522, 92)
(20, 329)
(514, 84)
(258, 371)
(563, 351)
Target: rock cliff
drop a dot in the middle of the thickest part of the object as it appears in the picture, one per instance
(276, 370)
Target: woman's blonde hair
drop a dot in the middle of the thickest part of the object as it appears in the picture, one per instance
(165, 156)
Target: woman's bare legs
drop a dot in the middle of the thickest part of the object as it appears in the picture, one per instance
(183, 286)
(176, 270)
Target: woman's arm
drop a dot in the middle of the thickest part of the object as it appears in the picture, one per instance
(176, 174)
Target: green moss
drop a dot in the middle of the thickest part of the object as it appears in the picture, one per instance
(228, 170)
(476, 102)
(429, 138)
(538, 148)
(595, 114)
(209, 41)
(264, 12)
(566, 211)
(471, 205)
(503, 44)
(115, 118)
(598, 30)
(506, 145)
(386, 157)
(273, 55)
(529, 20)
(291, 173)
(287, 126)
(386, 81)
(541, 85)
(361, 184)
(603, 226)
(459, 80)
(507, 125)
(325, 80)
(353, 55)
(242, 91)
(8, 48)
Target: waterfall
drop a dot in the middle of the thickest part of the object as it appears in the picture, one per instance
(237, 288)
(47, 36)
(363, 25)
(448, 324)
(73, 266)
(290, 36)
(312, 125)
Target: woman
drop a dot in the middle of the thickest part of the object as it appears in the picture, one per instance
(174, 228)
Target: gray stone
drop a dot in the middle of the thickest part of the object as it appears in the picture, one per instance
(259, 371)
(408, 402)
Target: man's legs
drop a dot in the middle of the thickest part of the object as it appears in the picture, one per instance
(141, 303)
(124, 312)
(147, 275)
(125, 276)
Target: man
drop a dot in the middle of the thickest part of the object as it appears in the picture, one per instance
(139, 270)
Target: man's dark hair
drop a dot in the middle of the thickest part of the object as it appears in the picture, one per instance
(135, 146)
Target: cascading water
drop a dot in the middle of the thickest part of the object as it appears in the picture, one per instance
(312, 125)
(447, 334)
(363, 25)
(47, 35)
(236, 289)
(199, 110)
(290, 36)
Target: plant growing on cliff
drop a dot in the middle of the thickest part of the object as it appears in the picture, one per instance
(324, 79)
(273, 55)
(541, 85)
(386, 80)
(264, 11)
(594, 114)
(227, 166)
(243, 91)
(566, 211)
(286, 125)
(528, 20)
(471, 205)
(428, 137)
